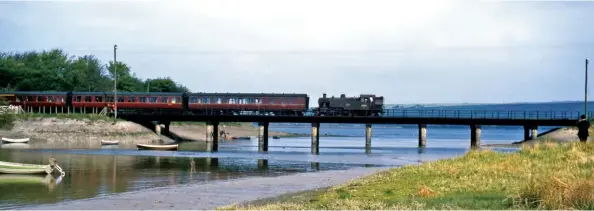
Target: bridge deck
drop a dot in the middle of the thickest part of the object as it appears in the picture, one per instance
(448, 117)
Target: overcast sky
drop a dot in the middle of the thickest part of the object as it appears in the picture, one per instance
(407, 51)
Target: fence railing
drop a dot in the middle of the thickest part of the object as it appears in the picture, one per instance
(412, 113)
(484, 114)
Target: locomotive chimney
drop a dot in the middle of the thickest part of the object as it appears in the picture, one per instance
(342, 96)
(324, 95)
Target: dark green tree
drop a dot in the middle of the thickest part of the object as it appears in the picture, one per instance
(55, 70)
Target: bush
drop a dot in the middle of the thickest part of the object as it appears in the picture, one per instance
(6, 121)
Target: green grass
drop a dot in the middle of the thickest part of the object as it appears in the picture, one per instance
(7, 121)
(544, 176)
(92, 117)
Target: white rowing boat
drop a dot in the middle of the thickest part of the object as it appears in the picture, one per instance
(103, 142)
(157, 147)
(15, 140)
(22, 168)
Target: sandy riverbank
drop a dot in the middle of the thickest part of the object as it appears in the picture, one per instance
(197, 132)
(215, 194)
(88, 132)
(560, 135)
(79, 133)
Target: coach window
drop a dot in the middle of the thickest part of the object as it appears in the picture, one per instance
(231, 100)
(142, 99)
(39, 99)
(99, 99)
(218, 100)
(78, 99)
(164, 99)
(50, 99)
(87, 98)
(193, 99)
(121, 100)
(109, 99)
(174, 100)
(206, 100)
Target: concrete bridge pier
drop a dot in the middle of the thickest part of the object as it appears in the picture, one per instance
(475, 136)
(158, 128)
(165, 129)
(368, 138)
(530, 132)
(212, 136)
(422, 135)
(263, 136)
(315, 138)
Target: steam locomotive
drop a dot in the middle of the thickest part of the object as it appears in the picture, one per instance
(363, 105)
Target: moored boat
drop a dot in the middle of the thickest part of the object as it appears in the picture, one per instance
(104, 142)
(157, 147)
(15, 140)
(22, 168)
(24, 179)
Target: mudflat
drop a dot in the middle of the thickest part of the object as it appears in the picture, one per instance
(215, 194)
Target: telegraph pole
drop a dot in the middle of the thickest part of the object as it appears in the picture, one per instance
(115, 82)
(586, 93)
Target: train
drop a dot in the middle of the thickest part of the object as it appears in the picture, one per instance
(194, 103)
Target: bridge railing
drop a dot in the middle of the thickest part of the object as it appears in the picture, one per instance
(421, 113)
(482, 114)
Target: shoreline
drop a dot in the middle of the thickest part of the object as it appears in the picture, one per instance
(558, 135)
(547, 175)
(212, 195)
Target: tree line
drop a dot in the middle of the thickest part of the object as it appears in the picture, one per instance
(55, 70)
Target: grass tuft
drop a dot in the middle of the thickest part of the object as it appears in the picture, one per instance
(546, 175)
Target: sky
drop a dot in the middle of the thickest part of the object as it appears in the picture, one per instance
(421, 51)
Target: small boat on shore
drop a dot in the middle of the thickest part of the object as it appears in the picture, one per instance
(104, 142)
(22, 168)
(156, 147)
(13, 140)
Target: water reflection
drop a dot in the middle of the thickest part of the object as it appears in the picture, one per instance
(90, 176)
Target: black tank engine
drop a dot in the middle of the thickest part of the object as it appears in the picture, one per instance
(363, 105)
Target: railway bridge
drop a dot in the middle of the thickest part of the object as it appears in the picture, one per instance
(530, 120)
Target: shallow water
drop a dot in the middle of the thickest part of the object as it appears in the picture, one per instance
(114, 169)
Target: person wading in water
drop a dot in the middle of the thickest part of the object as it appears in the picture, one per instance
(583, 126)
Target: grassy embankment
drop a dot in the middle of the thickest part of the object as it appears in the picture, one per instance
(545, 176)
(91, 117)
